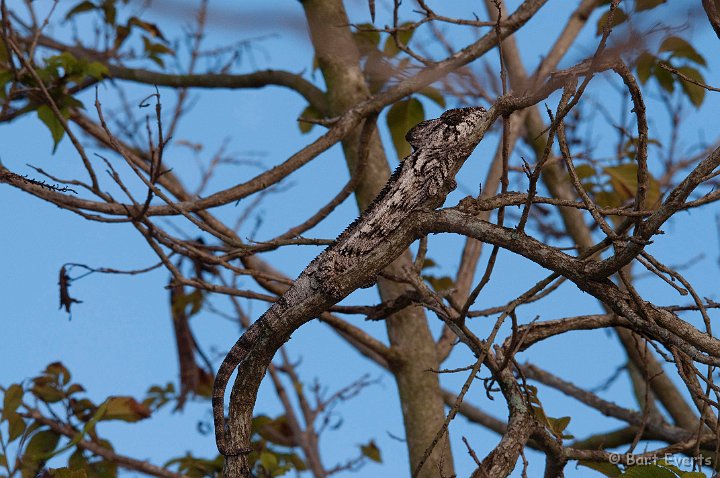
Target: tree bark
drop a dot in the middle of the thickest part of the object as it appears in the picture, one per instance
(410, 338)
(553, 176)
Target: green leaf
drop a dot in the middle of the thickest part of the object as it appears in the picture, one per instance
(5, 78)
(695, 93)
(181, 302)
(46, 115)
(585, 171)
(4, 56)
(665, 78)
(12, 399)
(641, 5)
(662, 462)
(88, 428)
(403, 37)
(623, 179)
(308, 113)
(618, 17)
(402, 116)
(648, 471)
(77, 459)
(107, 469)
(540, 414)
(16, 426)
(366, 39)
(644, 66)
(157, 48)
(68, 473)
(97, 70)
(558, 425)
(532, 394)
(371, 451)
(440, 283)
(41, 444)
(682, 49)
(154, 50)
(607, 469)
(434, 95)
(268, 461)
(157, 60)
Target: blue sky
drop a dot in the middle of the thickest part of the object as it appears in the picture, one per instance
(119, 340)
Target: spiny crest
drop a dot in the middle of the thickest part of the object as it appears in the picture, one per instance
(384, 192)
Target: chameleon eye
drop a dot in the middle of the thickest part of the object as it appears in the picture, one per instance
(453, 117)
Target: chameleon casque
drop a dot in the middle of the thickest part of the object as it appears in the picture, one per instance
(422, 181)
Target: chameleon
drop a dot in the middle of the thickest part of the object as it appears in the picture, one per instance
(380, 234)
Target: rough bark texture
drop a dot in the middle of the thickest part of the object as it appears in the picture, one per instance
(381, 234)
(419, 391)
(553, 177)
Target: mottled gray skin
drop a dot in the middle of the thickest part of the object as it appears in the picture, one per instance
(421, 182)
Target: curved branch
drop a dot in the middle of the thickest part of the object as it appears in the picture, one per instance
(654, 425)
(675, 202)
(258, 79)
(121, 460)
(662, 324)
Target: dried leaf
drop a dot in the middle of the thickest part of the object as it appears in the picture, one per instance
(80, 8)
(126, 409)
(151, 28)
(371, 451)
(641, 5)
(64, 282)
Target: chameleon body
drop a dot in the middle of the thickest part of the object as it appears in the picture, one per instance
(422, 181)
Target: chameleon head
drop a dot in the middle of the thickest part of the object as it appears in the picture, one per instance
(452, 125)
(463, 118)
